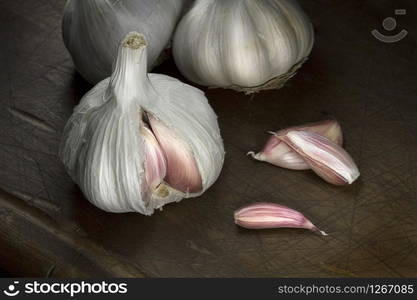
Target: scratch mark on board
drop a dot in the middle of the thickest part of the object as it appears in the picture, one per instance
(31, 119)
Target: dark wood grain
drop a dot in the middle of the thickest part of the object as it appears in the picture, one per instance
(36, 244)
(369, 86)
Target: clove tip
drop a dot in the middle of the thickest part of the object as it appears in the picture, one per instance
(251, 153)
(272, 133)
(258, 156)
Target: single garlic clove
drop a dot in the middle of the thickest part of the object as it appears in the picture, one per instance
(279, 154)
(155, 163)
(182, 170)
(264, 215)
(329, 128)
(325, 157)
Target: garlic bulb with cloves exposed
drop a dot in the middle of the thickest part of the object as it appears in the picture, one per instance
(138, 141)
(246, 45)
(92, 30)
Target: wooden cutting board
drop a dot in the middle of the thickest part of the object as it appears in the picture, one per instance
(47, 227)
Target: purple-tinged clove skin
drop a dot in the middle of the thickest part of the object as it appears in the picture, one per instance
(330, 161)
(182, 171)
(279, 154)
(155, 162)
(264, 215)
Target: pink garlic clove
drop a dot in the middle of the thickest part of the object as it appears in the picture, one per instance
(155, 164)
(263, 215)
(182, 170)
(279, 154)
(329, 128)
(325, 157)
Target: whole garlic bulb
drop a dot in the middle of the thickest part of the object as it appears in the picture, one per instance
(246, 45)
(138, 141)
(92, 30)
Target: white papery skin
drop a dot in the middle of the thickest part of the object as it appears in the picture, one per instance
(92, 30)
(241, 43)
(103, 146)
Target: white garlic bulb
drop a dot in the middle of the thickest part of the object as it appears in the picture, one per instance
(138, 141)
(246, 45)
(92, 30)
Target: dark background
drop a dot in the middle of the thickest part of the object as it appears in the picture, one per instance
(47, 228)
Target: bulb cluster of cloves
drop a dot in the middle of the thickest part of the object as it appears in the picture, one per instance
(316, 146)
(245, 45)
(138, 141)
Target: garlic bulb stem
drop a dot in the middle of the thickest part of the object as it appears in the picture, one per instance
(93, 29)
(129, 78)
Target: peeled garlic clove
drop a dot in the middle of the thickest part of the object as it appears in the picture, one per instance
(326, 158)
(182, 172)
(155, 162)
(279, 154)
(265, 215)
(243, 45)
(92, 30)
(130, 134)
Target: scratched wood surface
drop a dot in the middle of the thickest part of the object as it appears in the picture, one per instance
(47, 228)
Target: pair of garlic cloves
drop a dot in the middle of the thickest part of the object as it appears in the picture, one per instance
(315, 146)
